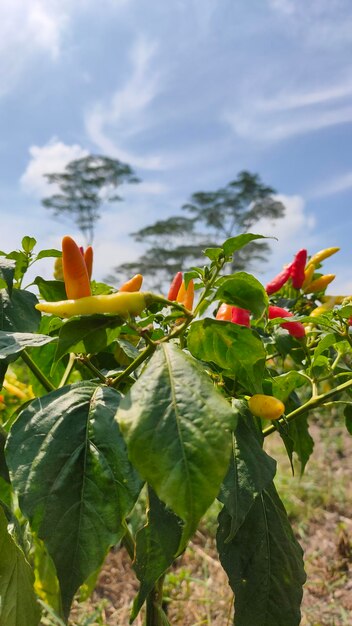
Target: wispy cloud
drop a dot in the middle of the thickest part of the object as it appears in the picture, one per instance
(125, 113)
(333, 186)
(290, 112)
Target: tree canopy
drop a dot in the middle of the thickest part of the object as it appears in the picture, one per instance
(176, 243)
(84, 186)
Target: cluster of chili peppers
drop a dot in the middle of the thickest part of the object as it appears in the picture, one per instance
(178, 291)
(301, 273)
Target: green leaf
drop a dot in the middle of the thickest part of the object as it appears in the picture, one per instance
(18, 606)
(44, 254)
(68, 464)
(348, 418)
(51, 290)
(14, 343)
(4, 472)
(90, 334)
(264, 564)
(236, 243)
(18, 313)
(156, 547)
(7, 272)
(28, 243)
(282, 386)
(237, 349)
(324, 344)
(174, 412)
(251, 470)
(243, 290)
(213, 253)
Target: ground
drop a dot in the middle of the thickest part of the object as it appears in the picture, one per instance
(320, 508)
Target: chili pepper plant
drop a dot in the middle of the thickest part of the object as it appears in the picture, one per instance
(168, 410)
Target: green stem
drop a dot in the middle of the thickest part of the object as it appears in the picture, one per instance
(154, 605)
(128, 541)
(208, 287)
(97, 373)
(148, 351)
(314, 402)
(68, 370)
(47, 384)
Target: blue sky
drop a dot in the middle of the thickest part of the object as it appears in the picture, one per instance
(189, 92)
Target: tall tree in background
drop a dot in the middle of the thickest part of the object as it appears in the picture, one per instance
(84, 186)
(176, 243)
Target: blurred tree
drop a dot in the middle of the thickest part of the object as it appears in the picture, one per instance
(84, 186)
(175, 244)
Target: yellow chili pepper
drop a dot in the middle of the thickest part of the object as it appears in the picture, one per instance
(134, 284)
(334, 299)
(15, 391)
(266, 407)
(120, 303)
(320, 309)
(320, 283)
(321, 255)
(308, 275)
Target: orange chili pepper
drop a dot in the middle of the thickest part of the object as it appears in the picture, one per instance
(134, 284)
(88, 259)
(75, 271)
(224, 312)
(186, 296)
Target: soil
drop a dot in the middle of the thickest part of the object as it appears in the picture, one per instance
(196, 589)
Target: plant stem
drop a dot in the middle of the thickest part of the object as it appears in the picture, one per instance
(47, 384)
(154, 605)
(85, 360)
(314, 402)
(68, 370)
(148, 351)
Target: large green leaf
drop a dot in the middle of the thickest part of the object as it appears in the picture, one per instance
(14, 343)
(90, 334)
(236, 349)
(236, 243)
(18, 312)
(264, 564)
(68, 463)
(18, 606)
(251, 470)
(156, 546)
(177, 429)
(243, 290)
(282, 386)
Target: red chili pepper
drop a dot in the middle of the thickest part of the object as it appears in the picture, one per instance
(240, 316)
(175, 287)
(278, 281)
(297, 268)
(296, 329)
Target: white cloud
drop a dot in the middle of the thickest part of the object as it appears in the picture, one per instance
(336, 185)
(294, 231)
(28, 28)
(52, 157)
(125, 114)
